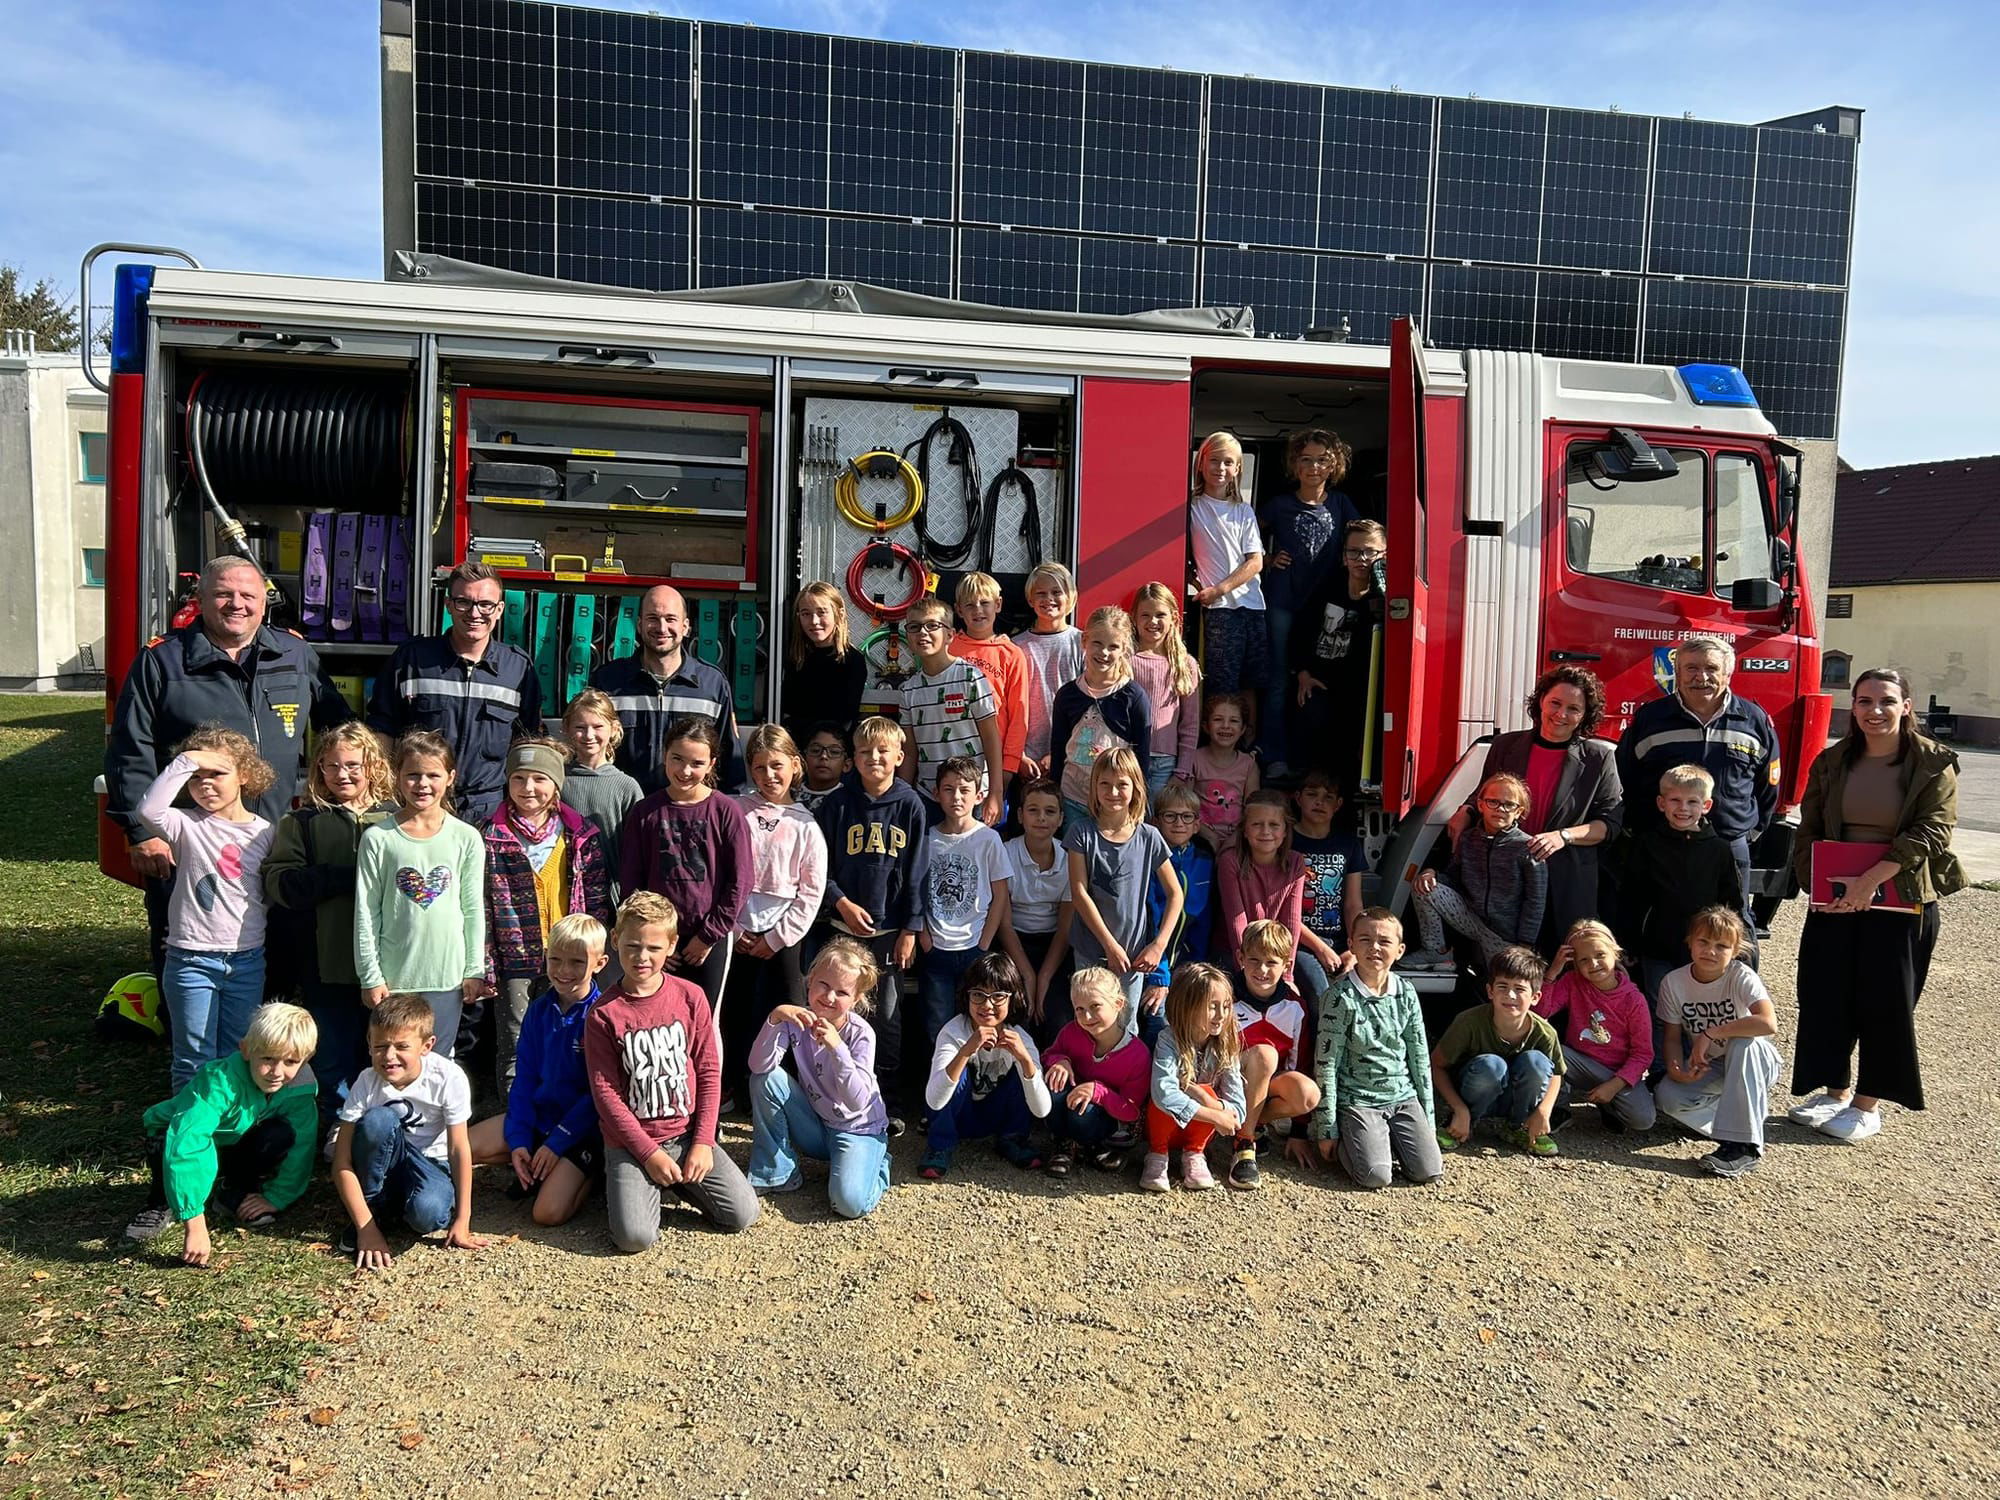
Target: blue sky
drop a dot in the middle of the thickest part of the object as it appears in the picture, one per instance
(247, 131)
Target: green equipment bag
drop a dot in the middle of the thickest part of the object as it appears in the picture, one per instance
(582, 637)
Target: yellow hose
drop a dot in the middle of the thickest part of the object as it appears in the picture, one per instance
(847, 491)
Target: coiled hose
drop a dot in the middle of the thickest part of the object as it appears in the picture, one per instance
(315, 440)
(1016, 478)
(965, 457)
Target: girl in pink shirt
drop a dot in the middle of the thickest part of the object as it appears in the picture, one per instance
(1171, 679)
(1265, 881)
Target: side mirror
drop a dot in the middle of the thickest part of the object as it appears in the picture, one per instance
(1751, 595)
(1631, 459)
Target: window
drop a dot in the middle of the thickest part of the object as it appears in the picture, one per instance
(1742, 529)
(91, 455)
(93, 567)
(1833, 669)
(1840, 606)
(1648, 533)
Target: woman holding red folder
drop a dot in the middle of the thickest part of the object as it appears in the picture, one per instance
(1861, 968)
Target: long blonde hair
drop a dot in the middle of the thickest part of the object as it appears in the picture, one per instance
(799, 646)
(1193, 984)
(1181, 671)
(1225, 441)
(1110, 617)
(1115, 762)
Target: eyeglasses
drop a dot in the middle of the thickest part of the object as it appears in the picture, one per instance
(1323, 461)
(924, 627)
(824, 752)
(987, 999)
(1367, 557)
(476, 606)
(1179, 817)
(1499, 807)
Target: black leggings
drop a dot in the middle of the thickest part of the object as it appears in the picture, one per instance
(756, 987)
(1860, 977)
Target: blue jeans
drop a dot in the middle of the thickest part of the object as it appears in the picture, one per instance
(1159, 771)
(1232, 649)
(1090, 1127)
(343, 1041)
(395, 1176)
(787, 1127)
(939, 987)
(211, 998)
(1276, 683)
(1491, 1084)
(1310, 975)
(1003, 1112)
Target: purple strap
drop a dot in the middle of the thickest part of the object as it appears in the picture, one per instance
(346, 540)
(313, 590)
(368, 578)
(396, 583)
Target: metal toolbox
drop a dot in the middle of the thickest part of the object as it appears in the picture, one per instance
(659, 488)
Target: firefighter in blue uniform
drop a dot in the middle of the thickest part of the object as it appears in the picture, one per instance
(227, 668)
(662, 682)
(470, 686)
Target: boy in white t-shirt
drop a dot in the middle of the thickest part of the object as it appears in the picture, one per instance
(964, 893)
(1720, 1062)
(948, 709)
(403, 1142)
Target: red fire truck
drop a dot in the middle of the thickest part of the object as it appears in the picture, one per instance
(361, 437)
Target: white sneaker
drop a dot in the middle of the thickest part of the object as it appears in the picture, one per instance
(1153, 1175)
(1853, 1124)
(1425, 961)
(1195, 1176)
(1816, 1111)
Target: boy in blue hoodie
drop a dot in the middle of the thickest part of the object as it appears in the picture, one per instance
(874, 824)
(549, 1134)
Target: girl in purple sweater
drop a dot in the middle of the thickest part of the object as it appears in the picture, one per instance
(833, 1111)
(693, 847)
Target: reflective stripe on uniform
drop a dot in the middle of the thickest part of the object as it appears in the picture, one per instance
(650, 703)
(1743, 744)
(413, 680)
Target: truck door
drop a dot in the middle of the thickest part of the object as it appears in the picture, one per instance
(1405, 635)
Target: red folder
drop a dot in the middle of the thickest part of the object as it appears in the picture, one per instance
(1835, 861)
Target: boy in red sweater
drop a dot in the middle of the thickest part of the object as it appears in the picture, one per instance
(649, 1047)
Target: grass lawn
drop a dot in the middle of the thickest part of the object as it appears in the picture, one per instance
(125, 1373)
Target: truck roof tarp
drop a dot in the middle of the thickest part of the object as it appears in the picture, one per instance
(811, 294)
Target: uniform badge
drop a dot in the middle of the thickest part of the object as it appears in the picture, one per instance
(288, 715)
(1663, 669)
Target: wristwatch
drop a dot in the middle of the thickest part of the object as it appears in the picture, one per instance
(1565, 836)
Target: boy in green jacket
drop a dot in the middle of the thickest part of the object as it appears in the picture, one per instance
(240, 1136)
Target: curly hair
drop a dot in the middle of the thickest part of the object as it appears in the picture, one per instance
(253, 772)
(1584, 681)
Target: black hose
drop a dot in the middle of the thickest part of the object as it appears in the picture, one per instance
(1011, 477)
(313, 440)
(965, 457)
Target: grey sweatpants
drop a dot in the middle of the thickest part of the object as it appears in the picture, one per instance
(1444, 906)
(1730, 1100)
(1633, 1108)
(1370, 1137)
(511, 1007)
(632, 1198)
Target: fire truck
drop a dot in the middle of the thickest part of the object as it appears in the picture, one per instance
(360, 438)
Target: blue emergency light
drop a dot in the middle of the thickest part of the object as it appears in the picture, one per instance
(1717, 385)
(131, 287)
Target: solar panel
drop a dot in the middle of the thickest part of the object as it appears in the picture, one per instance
(1694, 322)
(737, 246)
(1263, 162)
(1583, 315)
(1701, 198)
(622, 92)
(485, 75)
(1375, 172)
(1489, 192)
(1278, 284)
(1482, 307)
(763, 116)
(915, 257)
(1023, 135)
(1120, 276)
(1018, 269)
(1791, 352)
(1594, 198)
(622, 242)
(1370, 294)
(504, 227)
(1803, 207)
(893, 109)
(1141, 151)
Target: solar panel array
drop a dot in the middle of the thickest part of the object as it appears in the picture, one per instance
(656, 152)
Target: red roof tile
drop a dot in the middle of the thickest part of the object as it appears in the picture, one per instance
(1918, 523)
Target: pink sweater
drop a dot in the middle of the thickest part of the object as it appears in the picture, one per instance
(1119, 1081)
(1257, 893)
(789, 870)
(1176, 721)
(1615, 1029)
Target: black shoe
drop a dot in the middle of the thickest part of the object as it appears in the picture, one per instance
(1732, 1159)
(1109, 1159)
(1610, 1121)
(1019, 1150)
(1061, 1160)
(1244, 1173)
(1560, 1116)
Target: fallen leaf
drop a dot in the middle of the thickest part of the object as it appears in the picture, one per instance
(409, 1440)
(322, 1416)
(925, 1294)
(1488, 1335)
(38, 1276)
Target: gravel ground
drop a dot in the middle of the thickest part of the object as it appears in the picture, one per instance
(1611, 1323)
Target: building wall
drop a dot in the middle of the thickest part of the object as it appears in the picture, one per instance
(51, 613)
(1940, 635)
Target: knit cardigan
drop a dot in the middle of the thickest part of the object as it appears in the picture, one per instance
(513, 917)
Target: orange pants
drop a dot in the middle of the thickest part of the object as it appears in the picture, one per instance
(1162, 1134)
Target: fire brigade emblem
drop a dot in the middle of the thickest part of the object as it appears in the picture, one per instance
(1663, 669)
(288, 715)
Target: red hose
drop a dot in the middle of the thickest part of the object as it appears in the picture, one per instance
(910, 562)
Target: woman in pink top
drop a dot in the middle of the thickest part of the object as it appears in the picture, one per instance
(1265, 881)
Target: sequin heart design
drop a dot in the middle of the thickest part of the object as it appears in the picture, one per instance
(206, 890)
(423, 889)
(229, 860)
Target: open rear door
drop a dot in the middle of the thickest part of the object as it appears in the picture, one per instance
(1404, 635)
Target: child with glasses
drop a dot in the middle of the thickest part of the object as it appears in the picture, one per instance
(828, 760)
(986, 1075)
(948, 710)
(1331, 655)
(1493, 890)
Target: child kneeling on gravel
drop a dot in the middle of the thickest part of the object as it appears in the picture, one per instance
(651, 1051)
(1501, 1059)
(240, 1136)
(986, 1075)
(1276, 1030)
(1720, 1061)
(833, 1111)
(1376, 1109)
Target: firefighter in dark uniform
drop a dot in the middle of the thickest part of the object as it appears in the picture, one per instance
(662, 682)
(226, 668)
(470, 686)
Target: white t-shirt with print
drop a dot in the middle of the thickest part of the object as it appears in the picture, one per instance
(438, 1097)
(1695, 1007)
(959, 873)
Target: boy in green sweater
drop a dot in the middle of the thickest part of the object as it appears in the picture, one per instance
(239, 1137)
